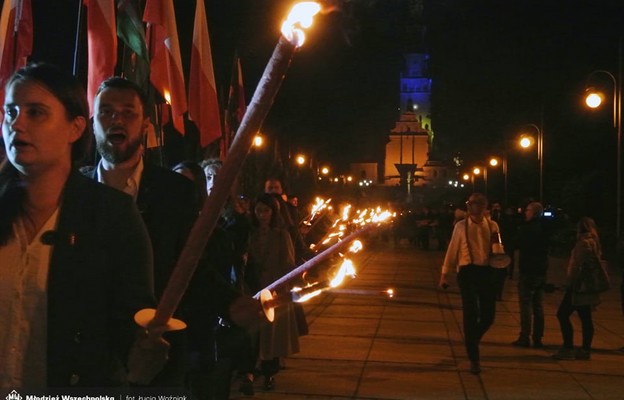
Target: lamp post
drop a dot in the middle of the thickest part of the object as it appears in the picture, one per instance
(469, 177)
(593, 100)
(476, 171)
(527, 141)
(494, 162)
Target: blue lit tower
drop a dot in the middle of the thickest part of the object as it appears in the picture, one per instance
(407, 149)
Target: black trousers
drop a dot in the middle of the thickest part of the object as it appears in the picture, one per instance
(478, 288)
(567, 331)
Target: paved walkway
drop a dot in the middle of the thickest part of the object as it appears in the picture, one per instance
(364, 345)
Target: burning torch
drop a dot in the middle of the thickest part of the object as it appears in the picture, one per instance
(292, 37)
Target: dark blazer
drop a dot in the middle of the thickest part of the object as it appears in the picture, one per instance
(532, 243)
(168, 207)
(100, 276)
(167, 203)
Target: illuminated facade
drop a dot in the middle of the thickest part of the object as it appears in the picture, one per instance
(410, 141)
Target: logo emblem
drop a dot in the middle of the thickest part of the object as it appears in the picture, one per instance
(13, 396)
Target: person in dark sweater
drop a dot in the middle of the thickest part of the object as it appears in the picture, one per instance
(532, 245)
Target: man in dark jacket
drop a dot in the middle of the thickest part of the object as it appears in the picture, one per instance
(532, 245)
(165, 199)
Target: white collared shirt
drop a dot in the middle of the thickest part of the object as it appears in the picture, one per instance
(132, 183)
(23, 307)
(459, 251)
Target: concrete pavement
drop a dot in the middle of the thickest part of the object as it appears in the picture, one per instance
(365, 345)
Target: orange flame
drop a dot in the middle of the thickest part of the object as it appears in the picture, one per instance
(356, 246)
(346, 268)
(300, 17)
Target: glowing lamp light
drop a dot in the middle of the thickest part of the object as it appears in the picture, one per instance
(466, 177)
(476, 171)
(258, 141)
(300, 159)
(301, 17)
(593, 100)
(493, 162)
(167, 96)
(526, 142)
(324, 170)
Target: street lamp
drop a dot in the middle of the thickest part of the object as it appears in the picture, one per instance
(476, 171)
(258, 140)
(495, 162)
(593, 100)
(300, 159)
(469, 177)
(527, 141)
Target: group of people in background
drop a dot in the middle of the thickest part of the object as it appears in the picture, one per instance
(480, 281)
(85, 248)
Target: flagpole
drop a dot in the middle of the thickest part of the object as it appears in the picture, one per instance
(78, 36)
(158, 127)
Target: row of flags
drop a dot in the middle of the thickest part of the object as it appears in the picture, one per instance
(108, 20)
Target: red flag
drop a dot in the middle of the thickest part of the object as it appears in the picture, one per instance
(202, 101)
(236, 105)
(102, 41)
(166, 71)
(16, 38)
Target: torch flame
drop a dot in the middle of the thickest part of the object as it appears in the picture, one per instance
(317, 207)
(301, 16)
(307, 296)
(356, 246)
(345, 212)
(345, 269)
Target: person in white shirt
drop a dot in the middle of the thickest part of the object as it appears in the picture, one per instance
(468, 253)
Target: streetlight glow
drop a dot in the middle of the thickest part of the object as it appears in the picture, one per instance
(476, 170)
(593, 100)
(493, 161)
(324, 170)
(258, 141)
(300, 159)
(466, 177)
(526, 142)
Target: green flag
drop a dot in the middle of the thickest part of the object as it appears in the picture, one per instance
(131, 31)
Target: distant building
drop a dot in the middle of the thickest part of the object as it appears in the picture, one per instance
(410, 142)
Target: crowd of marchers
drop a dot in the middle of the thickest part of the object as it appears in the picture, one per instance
(84, 248)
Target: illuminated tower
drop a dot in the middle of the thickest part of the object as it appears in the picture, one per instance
(407, 149)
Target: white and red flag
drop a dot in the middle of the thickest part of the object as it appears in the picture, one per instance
(202, 100)
(102, 44)
(16, 38)
(166, 73)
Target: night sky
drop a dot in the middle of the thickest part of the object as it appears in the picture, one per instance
(496, 66)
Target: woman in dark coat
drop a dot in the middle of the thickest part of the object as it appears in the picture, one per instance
(272, 255)
(76, 259)
(586, 249)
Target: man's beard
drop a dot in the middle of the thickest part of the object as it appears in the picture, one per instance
(116, 154)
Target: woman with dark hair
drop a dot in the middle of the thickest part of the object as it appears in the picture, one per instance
(271, 255)
(76, 259)
(587, 249)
